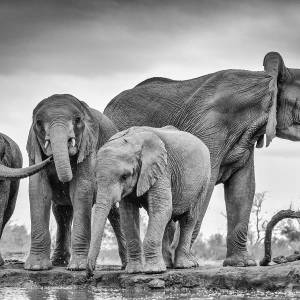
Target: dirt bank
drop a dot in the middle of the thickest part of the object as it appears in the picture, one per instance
(272, 278)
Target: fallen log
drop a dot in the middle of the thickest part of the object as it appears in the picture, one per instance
(283, 214)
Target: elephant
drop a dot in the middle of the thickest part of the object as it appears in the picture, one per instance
(72, 132)
(10, 172)
(231, 111)
(164, 170)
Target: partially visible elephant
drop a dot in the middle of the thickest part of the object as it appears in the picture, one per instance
(10, 173)
(231, 111)
(164, 170)
(72, 132)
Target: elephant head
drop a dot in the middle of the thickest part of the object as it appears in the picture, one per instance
(129, 162)
(63, 127)
(284, 117)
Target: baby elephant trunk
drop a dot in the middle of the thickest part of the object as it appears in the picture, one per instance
(101, 211)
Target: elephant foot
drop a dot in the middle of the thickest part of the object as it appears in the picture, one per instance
(185, 261)
(60, 258)
(77, 263)
(154, 266)
(242, 259)
(134, 267)
(1, 260)
(37, 262)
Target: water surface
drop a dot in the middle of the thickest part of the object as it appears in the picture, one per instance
(88, 293)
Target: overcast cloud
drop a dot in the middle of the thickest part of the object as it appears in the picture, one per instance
(96, 49)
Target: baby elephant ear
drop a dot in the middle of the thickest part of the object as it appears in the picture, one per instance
(119, 134)
(274, 66)
(153, 163)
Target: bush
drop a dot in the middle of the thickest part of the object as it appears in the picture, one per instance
(15, 238)
(214, 248)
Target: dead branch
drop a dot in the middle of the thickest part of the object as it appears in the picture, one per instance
(283, 214)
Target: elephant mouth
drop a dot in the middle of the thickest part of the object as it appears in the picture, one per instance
(73, 147)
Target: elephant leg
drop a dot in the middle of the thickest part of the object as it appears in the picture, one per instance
(196, 231)
(63, 215)
(152, 245)
(114, 219)
(159, 211)
(194, 236)
(205, 200)
(81, 231)
(130, 221)
(13, 193)
(239, 194)
(40, 195)
(4, 199)
(168, 238)
(183, 257)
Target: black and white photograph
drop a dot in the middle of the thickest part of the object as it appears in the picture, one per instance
(149, 149)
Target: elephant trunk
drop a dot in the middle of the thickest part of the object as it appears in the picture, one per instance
(59, 144)
(101, 211)
(18, 173)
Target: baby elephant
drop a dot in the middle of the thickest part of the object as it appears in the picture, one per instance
(164, 170)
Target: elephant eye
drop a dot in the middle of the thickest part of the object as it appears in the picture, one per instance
(125, 176)
(77, 120)
(38, 123)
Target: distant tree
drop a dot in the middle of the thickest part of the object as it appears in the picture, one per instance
(214, 248)
(257, 224)
(290, 231)
(15, 238)
(216, 245)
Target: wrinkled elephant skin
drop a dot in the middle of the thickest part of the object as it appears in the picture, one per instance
(10, 172)
(231, 111)
(166, 171)
(72, 132)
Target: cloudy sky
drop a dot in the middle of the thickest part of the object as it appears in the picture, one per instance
(96, 49)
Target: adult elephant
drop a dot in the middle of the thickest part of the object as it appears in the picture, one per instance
(230, 111)
(72, 132)
(10, 172)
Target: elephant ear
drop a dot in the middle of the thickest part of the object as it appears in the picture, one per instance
(90, 133)
(274, 66)
(153, 161)
(32, 147)
(119, 134)
(126, 132)
(5, 152)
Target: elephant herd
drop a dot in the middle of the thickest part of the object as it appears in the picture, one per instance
(162, 145)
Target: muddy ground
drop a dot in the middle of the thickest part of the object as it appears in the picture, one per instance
(284, 277)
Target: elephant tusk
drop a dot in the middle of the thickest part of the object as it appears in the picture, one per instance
(117, 205)
(46, 144)
(73, 142)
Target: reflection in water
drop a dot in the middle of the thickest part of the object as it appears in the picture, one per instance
(89, 293)
(47, 294)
